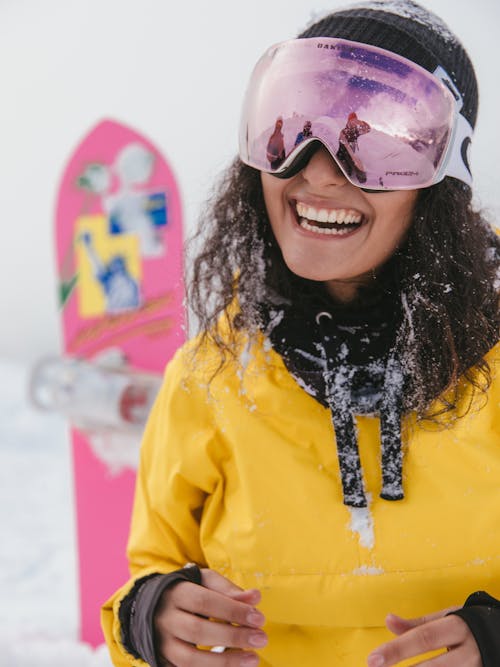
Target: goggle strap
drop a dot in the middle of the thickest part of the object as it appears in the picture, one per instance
(441, 74)
(458, 163)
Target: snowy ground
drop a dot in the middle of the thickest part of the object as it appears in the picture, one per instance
(38, 617)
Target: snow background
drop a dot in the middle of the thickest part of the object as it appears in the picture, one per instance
(38, 617)
(177, 73)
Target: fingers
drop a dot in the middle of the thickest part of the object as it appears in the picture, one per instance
(216, 582)
(219, 613)
(450, 631)
(251, 596)
(193, 629)
(205, 602)
(398, 625)
(181, 654)
(458, 657)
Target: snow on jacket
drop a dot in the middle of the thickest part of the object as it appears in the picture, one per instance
(245, 480)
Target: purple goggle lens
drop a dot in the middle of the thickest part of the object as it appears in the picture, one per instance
(388, 123)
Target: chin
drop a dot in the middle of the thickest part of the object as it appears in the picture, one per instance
(316, 273)
(317, 276)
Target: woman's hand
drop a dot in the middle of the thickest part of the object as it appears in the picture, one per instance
(428, 633)
(182, 622)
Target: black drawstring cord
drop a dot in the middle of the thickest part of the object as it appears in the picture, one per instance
(390, 431)
(338, 396)
(337, 377)
(347, 444)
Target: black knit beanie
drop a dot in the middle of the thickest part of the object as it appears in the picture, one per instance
(410, 30)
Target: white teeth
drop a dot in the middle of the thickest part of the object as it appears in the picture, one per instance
(339, 216)
(323, 230)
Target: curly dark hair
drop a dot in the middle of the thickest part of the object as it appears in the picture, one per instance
(446, 269)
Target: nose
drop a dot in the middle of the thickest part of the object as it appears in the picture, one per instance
(322, 171)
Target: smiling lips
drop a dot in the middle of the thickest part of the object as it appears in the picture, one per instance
(334, 222)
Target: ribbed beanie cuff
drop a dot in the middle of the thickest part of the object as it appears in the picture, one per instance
(411, 31)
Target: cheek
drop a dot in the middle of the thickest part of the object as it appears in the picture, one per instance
(397, 228)
(406, 221)
(395, 215)
(274, 198)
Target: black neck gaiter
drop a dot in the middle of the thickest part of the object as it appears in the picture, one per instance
(344, 356)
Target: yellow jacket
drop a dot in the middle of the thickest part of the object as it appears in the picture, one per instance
(246, 481)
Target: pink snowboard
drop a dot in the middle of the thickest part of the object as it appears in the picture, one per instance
(119, 257)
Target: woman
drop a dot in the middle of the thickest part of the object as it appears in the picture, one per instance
(275, 151)
(328, 449)
(348, 145)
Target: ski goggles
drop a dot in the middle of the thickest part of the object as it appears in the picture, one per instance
(388, 123)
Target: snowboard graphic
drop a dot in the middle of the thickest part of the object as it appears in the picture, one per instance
(119, 262)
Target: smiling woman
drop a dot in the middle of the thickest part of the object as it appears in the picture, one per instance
(327, 448)
(331, 231)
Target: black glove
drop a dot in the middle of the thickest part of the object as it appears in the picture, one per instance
(138, 607)
(481, 612)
